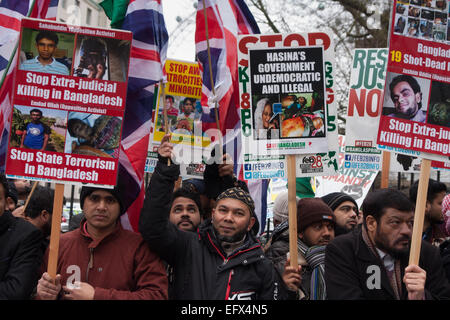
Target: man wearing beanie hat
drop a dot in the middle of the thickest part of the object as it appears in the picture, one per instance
(222, 259)
(345, 210)
(315, 227)
(91, 257)
(280, 208)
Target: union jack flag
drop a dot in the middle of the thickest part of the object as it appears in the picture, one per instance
(11, 14)
(226, 19)
(148, 54)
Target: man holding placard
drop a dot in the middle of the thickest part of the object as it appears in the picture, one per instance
(372, 262)
(91, 257)
(223, 259)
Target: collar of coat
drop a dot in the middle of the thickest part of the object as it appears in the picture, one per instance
(95, 243)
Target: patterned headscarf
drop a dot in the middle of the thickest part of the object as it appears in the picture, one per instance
(446, 213)
(241, 195)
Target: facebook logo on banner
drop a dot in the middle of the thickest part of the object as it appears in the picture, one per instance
(348, 157)
(248, 175)
(248, 167)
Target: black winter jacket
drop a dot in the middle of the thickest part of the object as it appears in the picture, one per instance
(21, 250)
(351, 268)
(202, 270)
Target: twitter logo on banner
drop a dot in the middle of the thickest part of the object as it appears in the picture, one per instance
(248, 175)
(347, 164)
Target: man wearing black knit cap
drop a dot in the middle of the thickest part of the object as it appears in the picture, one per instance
(91, 257)
(345, 209)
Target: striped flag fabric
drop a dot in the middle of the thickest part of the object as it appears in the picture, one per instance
(148, 54)
(11, 14)
(225, 21)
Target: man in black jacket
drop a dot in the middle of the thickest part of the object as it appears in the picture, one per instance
(371, 262)
(222, 260)
(20, 252)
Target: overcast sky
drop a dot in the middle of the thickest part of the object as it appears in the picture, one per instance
(181, 34)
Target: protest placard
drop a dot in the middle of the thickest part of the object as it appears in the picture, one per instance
(68, 104)
(282, 93)
(354, 182)
(363, 112)
(262, 165)
(416, 104)
(181, 95)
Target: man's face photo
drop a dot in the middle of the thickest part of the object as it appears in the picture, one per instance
(169, 103)
(406, 101)
(46, 48)
(35, 116)
(188, 107)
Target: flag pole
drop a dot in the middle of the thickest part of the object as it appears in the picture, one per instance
(216, 112)
(166, 121)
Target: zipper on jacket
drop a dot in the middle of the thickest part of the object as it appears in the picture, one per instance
(227, 295)
(91, 262)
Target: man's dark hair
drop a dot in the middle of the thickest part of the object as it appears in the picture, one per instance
(36, 110)
(12, 193)
(434, 187)
(4, 183)
(170, 97)
(186, 193)
(41, 199)
(192, 100)
(71, 123)
(411, 81)
(50, 35)
(376, 203)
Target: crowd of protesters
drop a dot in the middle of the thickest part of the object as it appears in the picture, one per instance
(200, 242)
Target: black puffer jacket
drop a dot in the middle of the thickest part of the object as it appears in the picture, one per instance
(445, 254)
(351, 270)
(21, 250)
(202, 270)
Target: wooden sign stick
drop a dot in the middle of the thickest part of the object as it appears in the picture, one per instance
(292, 207)
(56, 230)
(419, 215)
(385, 170)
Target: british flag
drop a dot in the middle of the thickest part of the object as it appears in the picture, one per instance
(226, 20)
(11, 14)
(148, 54)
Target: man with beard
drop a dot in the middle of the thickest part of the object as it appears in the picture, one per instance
(185, 210)
(345, 209)
(407, 98)
(315, 227)
(372, 262)
(222, 259)
(433, 210)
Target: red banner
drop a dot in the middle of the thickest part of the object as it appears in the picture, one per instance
(416, 105)
(69, 101)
